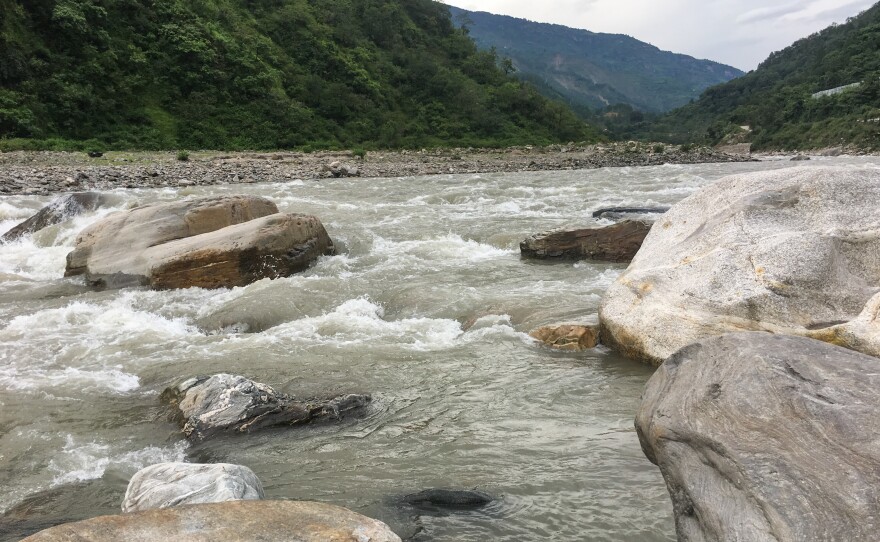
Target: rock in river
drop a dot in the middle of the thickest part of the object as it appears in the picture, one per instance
(618, 212)
(794, 251)
(279, 521)
(572, 337)
(210, 242)
(206, 406)
(767, 438)
(175, 484)
(61, 209)
(616, 243)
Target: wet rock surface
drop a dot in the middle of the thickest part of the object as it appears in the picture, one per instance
(293, 521)
(62, 209)
(619, 212)
(616, 243)
(794, 251)
(570, 337)
(208, 406)
(46, 172)
(448, 498)
(764, 437)
(176, 484)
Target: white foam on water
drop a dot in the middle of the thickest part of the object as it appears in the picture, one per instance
(114, 379)
(450, 248)
(79, 462)
(361, 321)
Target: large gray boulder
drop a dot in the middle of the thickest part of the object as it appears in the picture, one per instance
(793, 251)
(60, 210)
(278, 521)
(207, 406)
(175, 484)
(211, 242)
(764, 437)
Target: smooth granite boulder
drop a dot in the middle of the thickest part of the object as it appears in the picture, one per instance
(175, 484)
(615, 243)
(766, 438)
(223, 403)
(572, 337)
(60, 210)
(794, 251)
(278, 521)
(211, 242)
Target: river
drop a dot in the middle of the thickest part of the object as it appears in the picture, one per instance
(550, 434)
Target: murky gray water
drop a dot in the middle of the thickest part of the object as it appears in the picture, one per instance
(551, 434)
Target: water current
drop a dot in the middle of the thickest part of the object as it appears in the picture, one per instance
(550, 434)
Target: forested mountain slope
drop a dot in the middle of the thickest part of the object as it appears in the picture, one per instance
(236, 74)
(594, 70)
(776, 101)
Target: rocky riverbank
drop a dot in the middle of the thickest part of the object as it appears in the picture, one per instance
(41, 173)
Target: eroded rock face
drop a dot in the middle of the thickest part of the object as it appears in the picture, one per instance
(793, 251)
(294, 521)
(175, 484)
(207, 406)
(616, 243)
(212, 242)
(763, 437)
(572, 337)
(60, 210)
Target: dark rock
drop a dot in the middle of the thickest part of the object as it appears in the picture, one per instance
(95, 154)
(223, 403)
(450, 498)
(616, 212)
(768, 438)
(616, 243)
(800, 158)
(60, 210)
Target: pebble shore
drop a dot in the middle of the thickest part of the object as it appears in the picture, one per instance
(42, 173)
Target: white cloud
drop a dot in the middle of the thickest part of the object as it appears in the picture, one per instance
(737, 32)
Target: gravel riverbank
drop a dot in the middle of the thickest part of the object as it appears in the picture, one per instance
(41, 173)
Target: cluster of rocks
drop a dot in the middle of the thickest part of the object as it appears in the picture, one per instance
(46, 172)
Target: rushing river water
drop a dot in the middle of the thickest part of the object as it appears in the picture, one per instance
(550, 434)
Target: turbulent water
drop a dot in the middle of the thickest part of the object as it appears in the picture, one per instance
(550, 434)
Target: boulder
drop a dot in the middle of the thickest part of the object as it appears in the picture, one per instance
(794, 251)
(616, 243)
(571, 337)
(60, 210)
(223, 403)
(293, 521)
(338, 169)
(448, 498)
(617, 212)
(800, 158)
(764, 437)
(211, 242)
(175, 484)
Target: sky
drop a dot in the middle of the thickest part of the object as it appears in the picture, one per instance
(740, 33)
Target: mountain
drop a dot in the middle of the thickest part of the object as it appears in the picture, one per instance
(251, 74)
(774, 106)
(594, 70)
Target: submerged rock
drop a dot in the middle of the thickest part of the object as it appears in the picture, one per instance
(800, 158)
(211, 242)
(174, 484)
(572, 337)
(793, 251)
(616, 243)
(617, 212)
(763, 437)
(206, 406)
(60, 210)
(453, 498)
(294, 521)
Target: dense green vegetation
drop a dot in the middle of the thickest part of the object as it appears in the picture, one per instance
(590, 70)
(775, 101)
(257, 74)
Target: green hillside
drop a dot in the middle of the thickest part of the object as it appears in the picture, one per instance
(252, 74)
(593, 70)
(776, 101)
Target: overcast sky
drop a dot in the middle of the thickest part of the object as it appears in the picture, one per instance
(737, 32)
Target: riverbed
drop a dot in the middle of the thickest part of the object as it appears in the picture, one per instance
(426, 306)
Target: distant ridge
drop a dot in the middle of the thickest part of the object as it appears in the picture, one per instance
(594, 70)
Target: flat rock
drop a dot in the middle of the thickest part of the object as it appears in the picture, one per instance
(572, 337)
(764, 437)
(60, 210)
(175, 484)
(617, 212)
(223, 403)
(449, 498)
(278, 521)
(212, 242)
(615, 243)
(794, 251)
